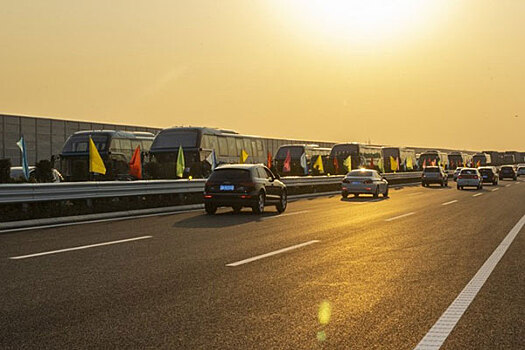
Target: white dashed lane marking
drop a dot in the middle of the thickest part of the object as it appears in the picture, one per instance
(400, 216)
(258, 257)
(447, 203)
(78, 248)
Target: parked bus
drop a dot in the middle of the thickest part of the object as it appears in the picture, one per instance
(509, 157)
(362, 156)
(496, 158)
(519, 157)
(433, 158)
(197, 144)
(456, 160)
(405, 158)
(114, 146)
(481, 159)
(311, 153)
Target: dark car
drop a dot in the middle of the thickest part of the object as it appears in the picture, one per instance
(489, 174)
(508, 172)
(244, 185)
(434, 175)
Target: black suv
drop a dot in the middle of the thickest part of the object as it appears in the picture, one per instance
(489, 174)
(244, 185)
(508, 171)
(434, 175)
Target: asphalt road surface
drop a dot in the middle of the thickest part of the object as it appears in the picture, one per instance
(328, 273)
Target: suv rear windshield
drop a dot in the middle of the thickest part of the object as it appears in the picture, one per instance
(360, 173)
(230, 175)
(506, 169)
(485, 171)
(468, 172)
(431, 170)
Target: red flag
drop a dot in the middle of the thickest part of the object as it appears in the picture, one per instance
(269, 160)
(135, 166)
(336, 165)
(372, 163)
(287, 166)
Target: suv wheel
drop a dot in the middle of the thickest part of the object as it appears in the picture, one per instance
(258, 208)
(376, 193)
(386, 192)
(210, 208)
(283, 202)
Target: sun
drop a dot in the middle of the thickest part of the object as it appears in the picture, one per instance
(360, 21)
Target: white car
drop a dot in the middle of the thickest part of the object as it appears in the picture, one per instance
(364, 181)
(470, 177)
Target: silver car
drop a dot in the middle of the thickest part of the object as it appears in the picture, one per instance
(364, 181)
(470, 177)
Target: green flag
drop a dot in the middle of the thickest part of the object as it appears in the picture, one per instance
(180, 163)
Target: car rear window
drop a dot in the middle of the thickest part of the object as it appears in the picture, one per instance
(230, 175)
(431, 170)
(485, 171)
(360, 173)
(468, 172)
(506, 169)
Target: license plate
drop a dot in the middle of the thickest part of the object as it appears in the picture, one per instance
(485, 176)
(226, 187)
(356, 182)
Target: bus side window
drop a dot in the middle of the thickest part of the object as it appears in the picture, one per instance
(232, 149)
(223, 146)
(126, 147)
(146, 145)
(115, 145)
(247, 148)
(134, 144)
(239, 144)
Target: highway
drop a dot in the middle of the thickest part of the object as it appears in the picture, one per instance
(328, 273)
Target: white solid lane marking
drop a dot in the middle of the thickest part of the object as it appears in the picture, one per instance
(447, 203)
(477, 194)
(78, 248)
(283, 215)
(439, 332)
(258, 257)
(495, 189)
(401, 216)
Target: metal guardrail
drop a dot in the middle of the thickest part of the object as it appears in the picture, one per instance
(30, 193)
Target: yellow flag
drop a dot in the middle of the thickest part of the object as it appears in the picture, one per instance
(243, 157)
(393, 164)
(380, 165)
(96, 165)
(409, 163)
(319, 164)
(348, 163)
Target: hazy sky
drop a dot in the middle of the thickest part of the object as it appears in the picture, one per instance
(443, 73)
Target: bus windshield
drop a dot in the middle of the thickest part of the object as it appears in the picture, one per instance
(175, 138)
(80, 143)
(344, 150)
(295, 152)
